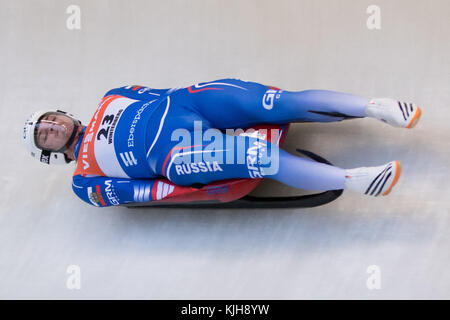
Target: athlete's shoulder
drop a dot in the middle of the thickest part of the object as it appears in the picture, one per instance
(137, 92)
(118, 90)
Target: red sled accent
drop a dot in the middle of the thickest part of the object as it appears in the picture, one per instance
(219, 191)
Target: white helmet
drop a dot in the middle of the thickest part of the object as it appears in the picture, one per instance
(45, 155)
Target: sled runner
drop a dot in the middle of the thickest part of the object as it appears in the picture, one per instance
(234, 193)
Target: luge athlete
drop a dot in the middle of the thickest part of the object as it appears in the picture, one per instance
(130, 140)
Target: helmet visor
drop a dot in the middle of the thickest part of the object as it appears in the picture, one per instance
(53, 130)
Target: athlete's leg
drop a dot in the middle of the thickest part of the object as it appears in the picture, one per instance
(228, 157)
(232, 103)
(247, 157)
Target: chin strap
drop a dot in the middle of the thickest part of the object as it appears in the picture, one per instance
(76, 125)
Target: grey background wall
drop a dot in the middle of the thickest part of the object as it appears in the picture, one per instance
(260, 254)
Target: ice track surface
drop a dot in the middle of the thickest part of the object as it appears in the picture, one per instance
(255, 254)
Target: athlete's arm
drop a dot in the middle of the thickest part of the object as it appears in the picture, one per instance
(104, 191)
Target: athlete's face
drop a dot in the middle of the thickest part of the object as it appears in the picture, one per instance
(53, 131)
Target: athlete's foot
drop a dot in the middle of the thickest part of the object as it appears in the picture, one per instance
(396, 113)
(373, 181)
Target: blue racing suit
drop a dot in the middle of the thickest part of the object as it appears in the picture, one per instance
(138, 134)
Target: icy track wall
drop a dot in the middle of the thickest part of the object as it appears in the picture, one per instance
(52, 245)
